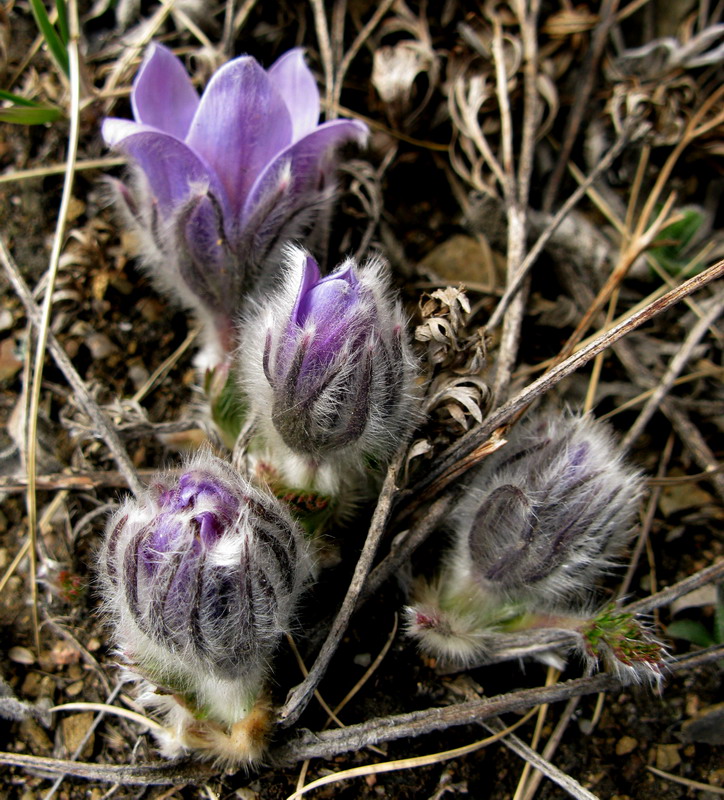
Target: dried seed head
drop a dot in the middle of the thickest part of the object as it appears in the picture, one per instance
(201, 575)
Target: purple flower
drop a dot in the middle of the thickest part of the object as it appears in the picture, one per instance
(335, 376)
(201, 575)
(223, 180)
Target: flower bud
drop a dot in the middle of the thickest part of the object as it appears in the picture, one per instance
(202, 575)
(543, 517)
(328, 370)
(547, 514)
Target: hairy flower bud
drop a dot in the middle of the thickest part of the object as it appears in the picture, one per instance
(543, 517)
(202, 575)
(546, 514)
(222, 181)
(328, 371)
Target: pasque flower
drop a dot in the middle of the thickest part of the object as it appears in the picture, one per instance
(222, 180)
(201, 575)
(328, 371)
(542, 519)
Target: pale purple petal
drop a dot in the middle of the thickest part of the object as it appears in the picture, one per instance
(301, 165)
(294, 81)
(240, 125)
(173, 170)
(163, 95)
(330, 298)
(309, 278)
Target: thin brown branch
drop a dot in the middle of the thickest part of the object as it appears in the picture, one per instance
(101, 421)
(326, 744)
(448, 465)
(300, 696)
(678, 362)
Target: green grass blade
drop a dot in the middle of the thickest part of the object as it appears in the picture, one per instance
(18, 99)
(55, 45)
(22, 115)
(62, 21)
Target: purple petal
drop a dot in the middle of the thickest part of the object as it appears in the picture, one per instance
(240, 125)
(329, 299)
(173, 170)
(310, 276)
(294, 81)
(163, 95)
(301, 165)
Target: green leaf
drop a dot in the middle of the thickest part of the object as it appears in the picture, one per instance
(719, 615)
(18, 99)
(671, 256)
(55, 45)
(62, 21)
(22, 115)
(691, 631)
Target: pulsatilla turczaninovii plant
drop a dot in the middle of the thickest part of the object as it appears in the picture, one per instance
(222, 181)
(201, 575)
(542, 519)
(328, 370)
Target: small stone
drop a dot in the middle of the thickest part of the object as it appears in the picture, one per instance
(667, 756)
(74, 729)
(35, 737)
(21, 655)
(31, 685)
(716, 777)
(100, 346)
(74, 689)
(362, 660)
(626, 745)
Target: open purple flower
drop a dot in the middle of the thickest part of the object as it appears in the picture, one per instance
(223, 180)
(201, 575)
(334, 376)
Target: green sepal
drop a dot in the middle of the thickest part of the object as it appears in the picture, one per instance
(228, 404)
(622, 633)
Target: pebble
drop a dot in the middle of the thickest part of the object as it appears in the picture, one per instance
(74, 729)
(626, 745)
(667, 756)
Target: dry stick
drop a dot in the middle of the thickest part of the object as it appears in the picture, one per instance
(651, 508)
(101, 421)
(677, 364)
(355, 47)
(448, 463)
(81, 482)
(300, 695)
(514, 286)
(160, 774)
(515, 188)
(60, 169)
(43, 327)
(551, 746)
(585, 87)
(327, 744)
(325, 52)
(544, 767)
(401, 550)
(687, 431)
(330, 743)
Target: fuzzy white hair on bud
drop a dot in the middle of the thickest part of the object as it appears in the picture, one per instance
(542, 519)
(201, 576)
(328, 371)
